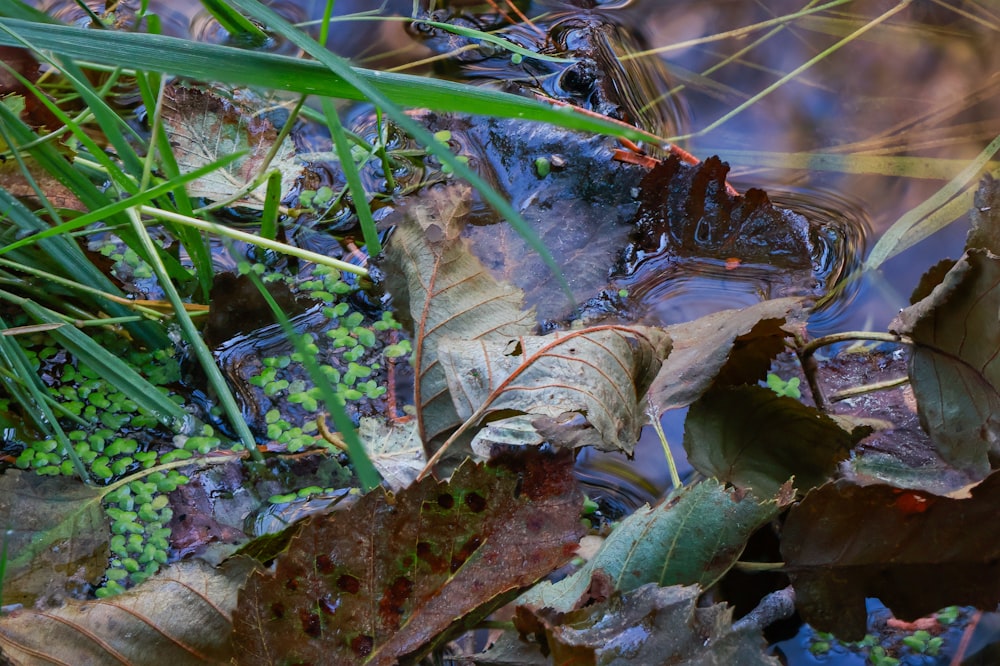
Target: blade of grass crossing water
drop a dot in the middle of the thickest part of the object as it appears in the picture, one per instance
(363, 467)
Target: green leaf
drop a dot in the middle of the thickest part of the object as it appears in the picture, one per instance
(953, 369)
(754, 439)
(693, 538)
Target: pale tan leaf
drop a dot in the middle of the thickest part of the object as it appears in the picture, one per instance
(394, 449)
(583, 387)
(446, 292)
(180, 616)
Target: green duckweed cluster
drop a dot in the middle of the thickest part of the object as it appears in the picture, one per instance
(111, 436)
(920, 643)
(350, 339)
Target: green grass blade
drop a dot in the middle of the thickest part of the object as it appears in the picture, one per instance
(198, 346)
(212, 62)
(909, 230)
(111, 368)
(363, 467)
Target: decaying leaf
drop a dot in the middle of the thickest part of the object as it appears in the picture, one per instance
(650, 625)
(985, 232)
(915, 551)
(755, 439)
(445, 292)
(583, 387)
(203, 127)
(180, 616)
(955, 366)
(704, 346)
(57, 536)
(388, 577)
(394, 449)
(692, 539)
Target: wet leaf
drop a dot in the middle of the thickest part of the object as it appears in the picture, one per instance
(915, 551)
(180, 616)
(954, 369)
(692, 539)
(583, 386)
(985, 232)
(385, 578)
(650, 625)
(57, 536)
(394, 449)
(703, 347)
(445, 291)
(203, 127)
(753, 438)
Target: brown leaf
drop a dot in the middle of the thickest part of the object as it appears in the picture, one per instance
(703, 347)
(651, 625)
(583, 386)
(985, 232)
(915, 551)
(445, 291)
(58, 538)
(384, 579)
(180, 616)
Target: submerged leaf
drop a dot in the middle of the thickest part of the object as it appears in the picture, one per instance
(180, 616)
(915, 551)
(55, 527)
(955, 367)
(386, 578)
(753, 438)
(203, 127)
(651, 625)
(445, 291)
(692, 539)
(583, 386)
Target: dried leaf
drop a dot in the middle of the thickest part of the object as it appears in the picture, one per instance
(180, 616)
(703, 347)
(394, 449)
(204, 127)
(755, 439)
(584, 386)
(915, 551)
(692, 539)
(386, 578)
(954, 368)
(651, 625)
(57, 537)
(446, 292)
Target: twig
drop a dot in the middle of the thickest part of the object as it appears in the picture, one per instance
(776, 606)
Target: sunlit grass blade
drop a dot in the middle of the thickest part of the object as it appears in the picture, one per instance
(363, 467)
(201, 351)
(911, 228)
(238, 26)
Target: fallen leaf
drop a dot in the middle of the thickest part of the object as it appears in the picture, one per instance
(703, 347)
(203, 127)
(650, 625)
(954, 369)
(179, 616)
(394, 449)
(445, 292)
(753, 438)
(985, 231)
(57, 536)
(584, 386)
(388, 577)
(915, 551)
(693, 538)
